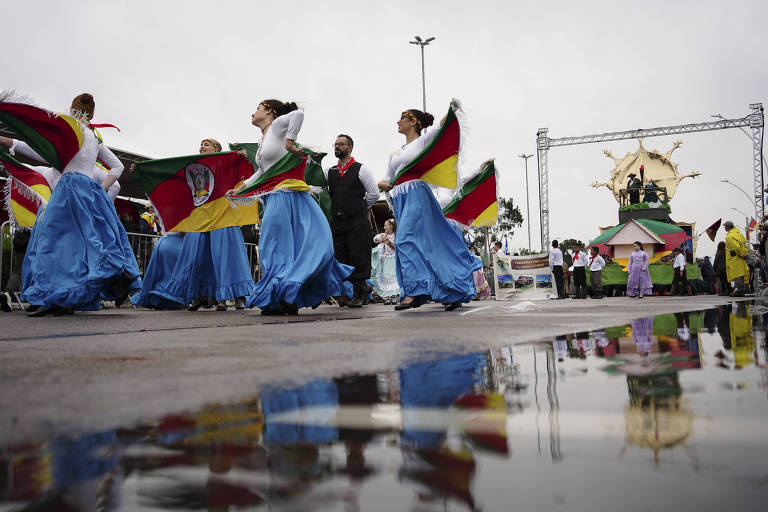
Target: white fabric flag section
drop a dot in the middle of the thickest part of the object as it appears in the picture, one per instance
(522, 277)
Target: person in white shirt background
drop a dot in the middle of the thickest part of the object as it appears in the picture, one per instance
(556, 266)
(680, 279)
(579, 272)
(596, 264)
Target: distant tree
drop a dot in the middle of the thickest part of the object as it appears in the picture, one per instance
(509, 218)
(566, 246)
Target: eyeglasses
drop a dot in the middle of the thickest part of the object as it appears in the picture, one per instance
(339, 144)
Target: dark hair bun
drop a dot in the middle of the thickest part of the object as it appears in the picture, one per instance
(427, 119)
(84, 103)
(280, 108)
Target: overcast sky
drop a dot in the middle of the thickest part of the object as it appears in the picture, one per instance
(170, 73)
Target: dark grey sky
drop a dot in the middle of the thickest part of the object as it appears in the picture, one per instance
(172, 73)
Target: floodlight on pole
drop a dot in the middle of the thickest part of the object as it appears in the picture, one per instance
(527, 201)
(422, 44)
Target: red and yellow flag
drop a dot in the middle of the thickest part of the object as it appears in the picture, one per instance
(26, 192)
(475, 203)
(55, 137)
(286, 173)
(189, 191)
(438, 162)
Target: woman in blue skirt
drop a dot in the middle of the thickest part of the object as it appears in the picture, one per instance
(212, 266)
(295, 243)
(78, 250)
(158, 273)
(431, 256)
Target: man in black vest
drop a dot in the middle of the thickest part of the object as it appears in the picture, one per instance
(353, 191)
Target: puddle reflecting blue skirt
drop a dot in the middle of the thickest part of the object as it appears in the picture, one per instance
(432, 257)
(77, 248)
(211, 264)
(158, 273)
(296, 252)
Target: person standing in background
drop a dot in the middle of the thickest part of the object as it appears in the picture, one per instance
(556, 266)
(596, 265)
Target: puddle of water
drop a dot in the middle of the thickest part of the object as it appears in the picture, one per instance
(666, 412)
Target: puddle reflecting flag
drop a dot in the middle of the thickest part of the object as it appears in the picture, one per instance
(438, 162)
(25, 193)
(189, 191)
(475, 203)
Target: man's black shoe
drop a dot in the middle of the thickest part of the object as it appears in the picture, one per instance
(355, 303)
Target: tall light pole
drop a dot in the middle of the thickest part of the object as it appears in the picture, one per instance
(738, 187)
(746, 220)
(422, 44)
(527, 201)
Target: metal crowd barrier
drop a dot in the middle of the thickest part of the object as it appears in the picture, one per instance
(142, 245)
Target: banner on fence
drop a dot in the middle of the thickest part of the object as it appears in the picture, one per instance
(522, 277)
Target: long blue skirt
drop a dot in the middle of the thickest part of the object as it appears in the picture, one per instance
(211, 264)
(296, 251)
(158, 274)
(77, 248)
(431, 256)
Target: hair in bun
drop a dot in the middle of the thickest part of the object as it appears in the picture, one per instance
(423, 119)
(278, 108)
(83, 104)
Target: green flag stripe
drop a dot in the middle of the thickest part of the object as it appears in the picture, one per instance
(150, 173)
(449, 118)
(36, 141)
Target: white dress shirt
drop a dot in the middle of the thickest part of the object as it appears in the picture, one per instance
(580, 259)
(369, 184)
(596, 263)
(679, 261)
(555, 258)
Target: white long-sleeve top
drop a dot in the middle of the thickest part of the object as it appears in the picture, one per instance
(679, 261)
(580, 259)
(84, 160)
(597, 263)
(555, 258)
(272, 147)
(369, 184)
(407, 152)
(52, 176)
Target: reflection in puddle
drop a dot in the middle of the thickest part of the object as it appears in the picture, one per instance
(663, 412)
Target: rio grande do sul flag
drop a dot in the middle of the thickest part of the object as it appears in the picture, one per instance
(475, 203)
(55, 137)
(189, 191)
(438, 162)
(25, 192)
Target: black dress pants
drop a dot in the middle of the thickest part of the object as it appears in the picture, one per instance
(580, 282)
(557, 271)
(352, 244)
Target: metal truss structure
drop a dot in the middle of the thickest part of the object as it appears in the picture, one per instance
(753, 121)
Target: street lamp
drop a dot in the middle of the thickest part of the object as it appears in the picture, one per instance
(746, 219)
(422, 44)
(738, 187)
(527, 202)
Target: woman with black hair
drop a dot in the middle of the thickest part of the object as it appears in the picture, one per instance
(295, 243)
(432, 257)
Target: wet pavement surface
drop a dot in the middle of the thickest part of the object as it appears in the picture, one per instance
(665, 412)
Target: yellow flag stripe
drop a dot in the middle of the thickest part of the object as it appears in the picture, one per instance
(24, 217)
(488, 217)
(216, 215)
(444, 174)
(76, 127)
(43, 190)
